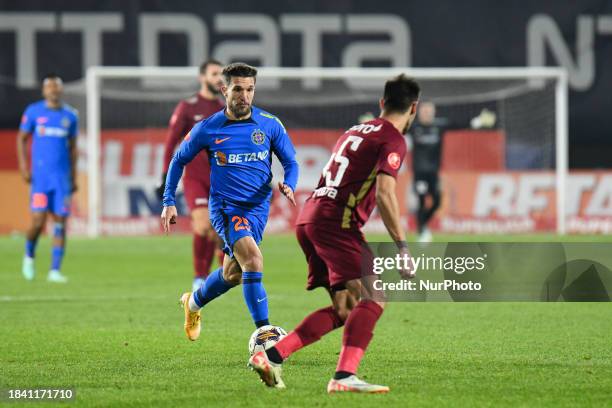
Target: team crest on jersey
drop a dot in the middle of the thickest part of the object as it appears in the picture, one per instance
(394, 160)
(258, 136)
(65, 122)
(42, 120)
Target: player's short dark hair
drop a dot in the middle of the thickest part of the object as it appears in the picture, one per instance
(204, 66)
(50, 75)
(400, 93)
(239, 69)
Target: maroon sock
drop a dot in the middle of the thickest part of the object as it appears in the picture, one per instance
(312, 328)
(200, 246)
(358, 331)
(209, 255)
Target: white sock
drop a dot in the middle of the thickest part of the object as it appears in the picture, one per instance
(192, 304)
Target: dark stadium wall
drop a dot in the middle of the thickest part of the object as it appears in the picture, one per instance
(37, 37)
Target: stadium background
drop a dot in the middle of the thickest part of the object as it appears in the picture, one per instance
(36, 38)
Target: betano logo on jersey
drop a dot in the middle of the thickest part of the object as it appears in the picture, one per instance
(222, 159)
(51, 131)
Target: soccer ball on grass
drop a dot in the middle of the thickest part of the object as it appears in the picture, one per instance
(265, 337)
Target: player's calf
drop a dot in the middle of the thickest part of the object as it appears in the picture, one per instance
(250, 259)
(57, 252)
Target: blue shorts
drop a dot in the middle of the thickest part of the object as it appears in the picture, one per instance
(54, 199)
(233, 223)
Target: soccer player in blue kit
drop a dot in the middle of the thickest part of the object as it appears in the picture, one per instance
(240, 141)
(53, 126)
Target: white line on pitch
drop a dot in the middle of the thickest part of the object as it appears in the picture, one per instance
(77, 299)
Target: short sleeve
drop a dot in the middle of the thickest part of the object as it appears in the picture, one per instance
(28, 121)
(391, 155)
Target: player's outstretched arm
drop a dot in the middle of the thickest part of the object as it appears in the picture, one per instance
(194, 142)
(386, 200)
(22, 140)
(284, 150)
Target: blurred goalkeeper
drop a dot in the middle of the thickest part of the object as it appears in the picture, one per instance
(196, 182)
(426, 135)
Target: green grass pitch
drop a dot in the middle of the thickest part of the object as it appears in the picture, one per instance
(114, 334)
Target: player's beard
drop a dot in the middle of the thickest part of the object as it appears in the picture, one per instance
(213, 89)
(238, 110)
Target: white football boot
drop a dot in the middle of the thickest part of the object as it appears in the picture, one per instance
(27, 268)
(354, 384)
(56, 276)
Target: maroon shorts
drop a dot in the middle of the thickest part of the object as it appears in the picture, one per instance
(196, 192)
(334, 255)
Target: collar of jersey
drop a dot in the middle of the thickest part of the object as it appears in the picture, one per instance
(229, 121)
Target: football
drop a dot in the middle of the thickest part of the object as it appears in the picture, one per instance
(265, 337)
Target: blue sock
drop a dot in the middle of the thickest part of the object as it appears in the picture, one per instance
(57, 252)
(214, 286)
(30, 248)
(255, 297)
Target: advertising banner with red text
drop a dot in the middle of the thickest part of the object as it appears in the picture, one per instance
(477, 197)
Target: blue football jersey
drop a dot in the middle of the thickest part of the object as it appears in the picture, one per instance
(240, 156)
(51, 131)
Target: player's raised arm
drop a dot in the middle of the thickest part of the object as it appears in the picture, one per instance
(194, 142)
(284, 150)
(25, 130)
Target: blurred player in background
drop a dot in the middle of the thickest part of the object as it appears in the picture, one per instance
(53, 126)
(360, 175)
(239, 141)
(196, 182)
(427, 136)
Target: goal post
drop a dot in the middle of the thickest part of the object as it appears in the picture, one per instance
(316, 97)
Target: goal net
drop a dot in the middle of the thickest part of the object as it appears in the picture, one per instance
(504, 159)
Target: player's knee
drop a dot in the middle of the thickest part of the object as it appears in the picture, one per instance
(38, 223)
(200, 221)
(435, 201)
(254, 263)
(343, 312)
(232, 273)
(201, 229)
